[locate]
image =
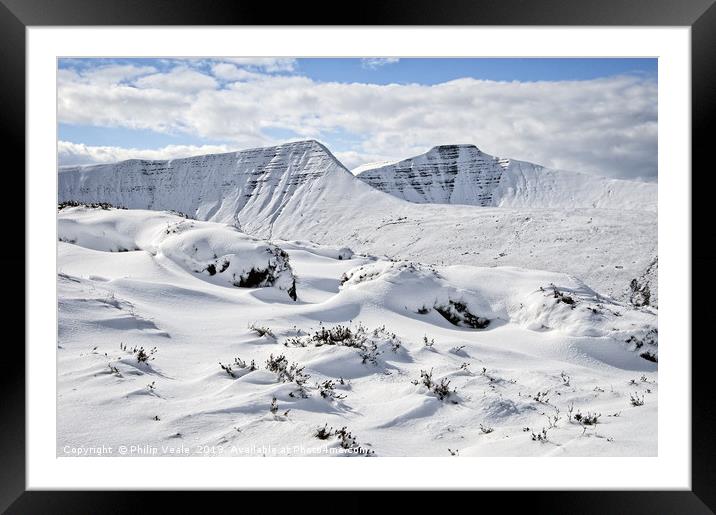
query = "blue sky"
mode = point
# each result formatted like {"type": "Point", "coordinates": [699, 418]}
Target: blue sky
{"type": "Point", "coordinates": [364, 109]}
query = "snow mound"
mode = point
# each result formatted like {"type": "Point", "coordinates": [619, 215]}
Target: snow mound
{"type": "Point", "coordinates": [419, 288]}
{"type": "Point", "coordinates": [230, 258]}
{"type": "Point", "coordinates": [216, 253]}
{"type": "Point", "coordinates": [481, 298]}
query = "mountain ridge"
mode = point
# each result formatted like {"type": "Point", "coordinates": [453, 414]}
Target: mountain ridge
{"type": "Point", "coordinates": [254, 185]}
{"type": "Point", "coordinates": [463, 174]}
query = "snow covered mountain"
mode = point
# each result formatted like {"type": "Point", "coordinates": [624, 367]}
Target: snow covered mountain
{"type": "Point", "coordinates": [463, 174]}
{"type": "Point", "coordinates": [250, 188]}
{"type": "Point", "coordinates": [299, 191]}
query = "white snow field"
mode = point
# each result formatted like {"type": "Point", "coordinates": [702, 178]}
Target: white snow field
{"type": "Point", "coordinates": [179, 336]}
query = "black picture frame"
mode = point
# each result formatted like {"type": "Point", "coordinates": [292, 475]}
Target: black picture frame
{"type": "Point", "coordinates": [700, 15]}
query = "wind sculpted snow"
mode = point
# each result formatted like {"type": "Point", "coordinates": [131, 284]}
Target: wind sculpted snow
{"type": "Point", "coordinates": [373, 357]}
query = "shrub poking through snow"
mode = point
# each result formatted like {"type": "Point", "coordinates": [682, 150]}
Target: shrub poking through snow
{"type": "Point", "coordinates": [541, 436]}
{"type": "Point", "coordinates": [590, 419]}
{"type": "Point", "coordinates": [345, 439]}
{"type": "Point", "coordinates": [426, 379]}
{"type": "Point", "coordinates": [327, 389]}
{"type": "Point", "coordinates": [541, 397]}
{"type": "Point", "coordinates": [456, 313]}
{"type": "Point", "coordinates": [286, 373]}
{"type": "Point", "coordinates": [428, 343]}
{"type": "Point", "coordinates": [94, 205]}
{"type": "Point", "coordinates": [114, 370]}
{"type": "Point", "coordinates": [647, 343]}
{"type": "Point", "coordinates": [273, 409]}
{"type": "Point", "coordinates": [179, 214]}
{"type": "Point", "coordinates": [636, 400]}
{"type": "Point", "coordinates": [289, 374]}
{"type": "Point", "coordinates": [441, 390]}
{"type": "Point", "coordinates": [261, 331]}
{"type": "Point", "coordinates": [227, 369]}
{"type": "Point", "coordinates": [459, 350]}
{"type": "Point", "coordinates": [238, 363]}
{"type": "Point", "coordinates": [143, 356]}
{"type": "Point", "coordinates": [649, 356]}
{"type": "Point", "coordinates": [554, 419]}
{"type": "Point", "coordinates": [486, 429]}
{"type": "Point", "coordinates": [322, 433]}
{"type": "Point", "coordinates": [366, 342]}
{"type": "Point", "coordinates": [350, 442]}
{"type": "Point", "coordinates": [563, 297]}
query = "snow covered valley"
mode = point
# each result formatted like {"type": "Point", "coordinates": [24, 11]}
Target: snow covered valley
{"type": "Point", "coordinates": [391, 336]}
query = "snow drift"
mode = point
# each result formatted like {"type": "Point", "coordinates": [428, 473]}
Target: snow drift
{"type": "Point", "coordinates": [157, 346]}
{"type": "Point", "coordinates": [216, 253]}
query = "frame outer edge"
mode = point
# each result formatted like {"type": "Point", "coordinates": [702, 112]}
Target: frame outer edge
{"type": "Point", "coordinates": [12, 303]}
{"type": "Point", "coordinates": [12, 96]}
{"type": "Point", "coordinates": [703, 122]}
{"type": "Point", "coordinates": [371, 12]}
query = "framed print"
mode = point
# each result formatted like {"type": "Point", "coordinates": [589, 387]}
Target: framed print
{"type": "Point", "coordinates": [430, 245]}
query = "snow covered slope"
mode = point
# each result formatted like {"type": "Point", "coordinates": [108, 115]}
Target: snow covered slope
{"type": "Point", "coordinates": [462, 174]}
{"type": "Point", "coordinates": [299, 191]}
{"type": "Point", "coordinates": [159, 354]}
{"type": "Point", "coordinates": [250, 188]}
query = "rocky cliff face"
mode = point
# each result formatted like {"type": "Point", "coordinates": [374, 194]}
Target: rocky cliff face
{"type": "Point", "coordinates": [449, 174]}
{"type": "Point", "coordinates": [463, 174]}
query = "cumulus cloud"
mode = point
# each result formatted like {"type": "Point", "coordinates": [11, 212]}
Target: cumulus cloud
{"type": "Point", "coordinates": [373, 63]}
{"type": "Point", "coordinates": [80, 154]}
{"type": "Point", "coordinates": [605, 126]}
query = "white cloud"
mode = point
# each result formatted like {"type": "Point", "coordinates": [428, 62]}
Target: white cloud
{"type": "Point", "coordinates": [109, 74]}
{"type": "Point", "coordinates": [231, 72]}
{"type": "Point", "coordinates": [267, 64]}
{"type": "Point", "coordinates": [606, 126]}
{"type": "Point", "coordinates": [79, 154]}
{"type": "Point", "coordinates": [373, 63]}
{"type": "Point", "coordinates": [180, 79]}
